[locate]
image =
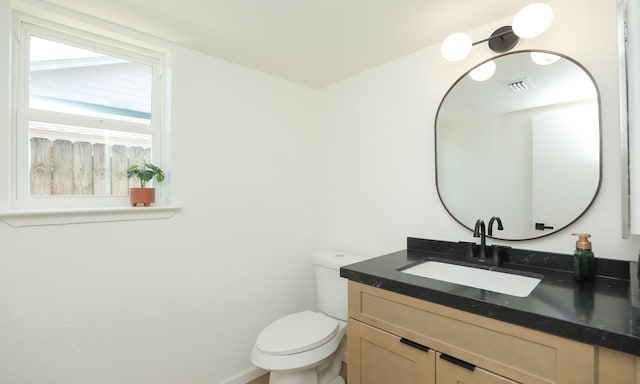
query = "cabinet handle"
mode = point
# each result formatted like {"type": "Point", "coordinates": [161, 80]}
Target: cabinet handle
{"type": "Point", "coordinates": [458, 362]}
{"type": "Point", "coordinates": [414, 344]}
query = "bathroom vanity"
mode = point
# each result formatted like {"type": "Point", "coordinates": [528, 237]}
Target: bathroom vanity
{"type": "Point", "coordinates": [405, 328]}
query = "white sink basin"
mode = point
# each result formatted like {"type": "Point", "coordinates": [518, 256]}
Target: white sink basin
{"type": "Point", "coordinates": [501, 282]}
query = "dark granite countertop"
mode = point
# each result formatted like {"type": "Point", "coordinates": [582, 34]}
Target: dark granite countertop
{"type": "Point", "coordinates": [605, 312]}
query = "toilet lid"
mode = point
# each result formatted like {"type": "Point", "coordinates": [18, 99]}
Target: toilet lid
{"type": "Point", "coordinates": [296, 333]}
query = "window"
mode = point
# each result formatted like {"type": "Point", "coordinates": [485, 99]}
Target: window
{"type": "Point", "coordinates": [86, 107]}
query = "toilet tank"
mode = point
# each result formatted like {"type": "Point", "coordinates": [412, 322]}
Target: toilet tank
{"type": "Point", "coordinates": [330, 287]}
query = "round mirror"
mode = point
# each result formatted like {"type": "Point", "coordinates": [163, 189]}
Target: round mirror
{"type": "Point", "coordinates": [522, 145]}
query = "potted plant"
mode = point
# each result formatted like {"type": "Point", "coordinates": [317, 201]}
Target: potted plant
{"type": "Point", "coordinates": [145, 174]}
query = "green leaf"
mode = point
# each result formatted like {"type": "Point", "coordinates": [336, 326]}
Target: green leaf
{"type": "Point", "coordinates": [145, 174]}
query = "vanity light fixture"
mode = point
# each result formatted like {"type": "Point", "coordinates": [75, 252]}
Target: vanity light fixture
{"type": "Point", "coordinates": [529, 22]}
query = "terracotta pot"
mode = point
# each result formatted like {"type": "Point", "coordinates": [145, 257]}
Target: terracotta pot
{"type": "Point", "coordinates": [144, 196]}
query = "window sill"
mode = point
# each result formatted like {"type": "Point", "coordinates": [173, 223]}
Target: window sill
{"type": "Point", "coordinates": [77, 216]}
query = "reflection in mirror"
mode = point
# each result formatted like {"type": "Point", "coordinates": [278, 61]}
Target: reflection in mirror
{"type": "Point", "coordinates": [523, 145]}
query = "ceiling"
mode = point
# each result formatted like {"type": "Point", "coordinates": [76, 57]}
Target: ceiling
{"type": "Point", "coordinates": [310, 42]}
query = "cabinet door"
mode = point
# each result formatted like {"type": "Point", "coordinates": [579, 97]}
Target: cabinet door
{"type": "Point", "coordinates": [378, 357]}
{"type": "Point", "coordinates": [453, 371]}
{"type": "Point", "coordinates": [617, 367]}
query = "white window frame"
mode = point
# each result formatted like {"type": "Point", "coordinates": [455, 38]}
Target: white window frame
{"type": "Point", "coordinates": [24, 209]}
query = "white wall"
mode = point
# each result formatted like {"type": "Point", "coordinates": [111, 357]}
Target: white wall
{"type": "Point", "coordinates": [378, 143]}
{"type": "Point", "coordinates": [88, 303]}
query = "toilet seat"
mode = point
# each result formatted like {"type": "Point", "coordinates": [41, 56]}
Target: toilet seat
{"type": "Point", "coordinates": [296, 333]}
{"type": "Point", "coordinates": [316, 352]}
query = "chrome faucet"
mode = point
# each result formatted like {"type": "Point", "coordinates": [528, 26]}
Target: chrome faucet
{"type": "Point", "coordinates": [480, 231]}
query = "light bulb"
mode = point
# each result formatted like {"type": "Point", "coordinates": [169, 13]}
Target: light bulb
{"type": "Point", "coordinates": [532, 20]}
{"type": "Point", "coordinates": [484, 71]}
{"type": "Point", "coordinates": [542, 58]}
{"type": "Point", "coordinates": [456, 46]}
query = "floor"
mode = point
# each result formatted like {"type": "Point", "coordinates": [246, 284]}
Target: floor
{"type": "Point", "coordinates": [260, 380]}
{"type": "Point", "coordinates": [265, 379]}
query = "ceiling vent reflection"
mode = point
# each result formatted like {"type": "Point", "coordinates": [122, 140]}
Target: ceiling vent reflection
{"type": "Point", "coordinates": [520, 85]}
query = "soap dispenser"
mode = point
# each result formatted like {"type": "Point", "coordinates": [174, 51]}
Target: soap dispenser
{"type": "Point", "coordinates": [583, 259]}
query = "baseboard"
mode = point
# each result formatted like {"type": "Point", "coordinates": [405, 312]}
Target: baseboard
{"type": "Point", "coordinates": [245, 377]}
{"type": "Point", "coordinates": [254, 373]}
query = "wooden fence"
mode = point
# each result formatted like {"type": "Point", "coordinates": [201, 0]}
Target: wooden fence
{"type": "Point", "coordinates": [62, 167]}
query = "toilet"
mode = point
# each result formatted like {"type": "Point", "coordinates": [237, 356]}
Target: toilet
{"type": "Point", "coordinates": [308, 347]}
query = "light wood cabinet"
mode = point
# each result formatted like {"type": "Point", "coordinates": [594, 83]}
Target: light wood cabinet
{"type": "Point", "coordinates": [617, 367]}
{"type": "Point", "coordinates": [378, 357]}
{"type": "Point", "coordinates": [501, 352]}
{"type": "Point", "coordinates": [448, 372]}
